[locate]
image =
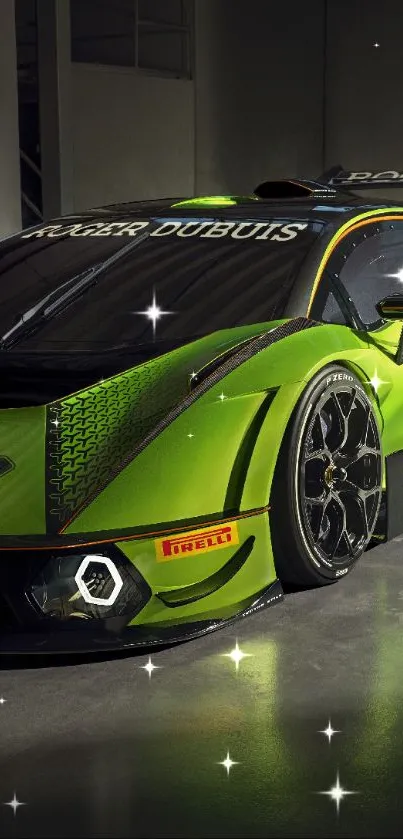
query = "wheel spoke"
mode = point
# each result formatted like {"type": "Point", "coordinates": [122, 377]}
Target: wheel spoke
{"type": "Point", "coordinates": [351, 403]}
{"type": "Point", "coordinates": [357, 492]}
{"type": "Point", "coordinates": [321, 454]}
{"type": "Point", "coordinates": [344, 536]}
{"type": "Point", "coordinates": [335, 515]}
{"type": "Point", "coordinates": [317, 521]}
{"type": "Point", "coordinates": [341, 536]}
{"type": "Point", "coordinates": [344, 532]}
{"type": "Point", "coordinates": [342, 417]}
{"type": "Point", "coordinates": [366, 427]}
{"type": "Point", "coordinates": [363, 509]}
{"type": "Point", "coordinates": [317, 441]}
{"type": "Point", "coordinates": [338, 502]}
{"type": "Point", "coordinates": [359, 453]}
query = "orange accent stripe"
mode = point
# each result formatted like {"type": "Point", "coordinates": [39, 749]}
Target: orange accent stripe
{"type": "Point", "coordinates": [337, 241]}
{"type": "Point", "coordinates": [148, 535]}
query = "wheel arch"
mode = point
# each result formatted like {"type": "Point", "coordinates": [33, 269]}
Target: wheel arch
{"type": "Point", "coordinates": [268, 444]}
{"type": "Point", "coordinates": [288, 458]}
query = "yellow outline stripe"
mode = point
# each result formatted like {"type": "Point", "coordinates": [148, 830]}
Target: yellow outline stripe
{"type": "Point", "coordinates": [352, 224]}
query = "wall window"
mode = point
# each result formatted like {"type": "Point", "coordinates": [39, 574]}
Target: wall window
{"type": "Point", "coordinates": [147, 34]}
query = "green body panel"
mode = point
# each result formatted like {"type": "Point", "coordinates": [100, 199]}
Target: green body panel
{"type": "Point", "coordinates": [218, 456]}
{"type": "Point", "coordinates": [93, 432]}
{"type": "Point", "coordinates": [389, 384]}
{"type": "Point", "coordinates": [257, 572]}
{"type": "Point", "coordinates": [216, 459]}
{"type": "Point", "coordinates": [210, 201]}
{"type": "Point", "coordinates": [177, 477]}
{"type": "Point", "coordinates": [98, 421]}
{"type": "Point", "coordinates": [22, 490]}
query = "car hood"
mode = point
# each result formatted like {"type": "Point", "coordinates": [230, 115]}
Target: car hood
{"type": "Point", "coordinates": [39, 378]}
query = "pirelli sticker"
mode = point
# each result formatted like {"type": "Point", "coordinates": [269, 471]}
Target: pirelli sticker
{"type": "Point", "coordinates": [197, 542]}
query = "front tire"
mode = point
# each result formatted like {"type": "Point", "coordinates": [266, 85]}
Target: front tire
{"type": "Point", "coordinates": [328, 483]}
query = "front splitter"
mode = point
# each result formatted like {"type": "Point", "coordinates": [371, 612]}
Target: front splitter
{"type": "Point", "coordinates": [88, 640]}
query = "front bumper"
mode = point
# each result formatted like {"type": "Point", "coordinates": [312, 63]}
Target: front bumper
{"type": "Point", "coordinates": [102, 639]}
{"type": "Point", "coordinates": [53, 606]}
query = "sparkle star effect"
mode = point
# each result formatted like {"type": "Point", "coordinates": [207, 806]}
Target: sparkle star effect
{"type": "Point", "coordinates": [397, 276]}
{"type": "Point", "coordinates": [154, 313]}
{"type": "Point", "coordinates": [337, 793]}
{"type": "Point", "coordinates": [222, 396]}
{"type": "Point", "coordinates": [228, 763]}
{"type": "Point", "coordinates": [376, 382]}
{"type": "Point", "coordinates": [2, 700]}
{"type": "Point", "coordinates": [236, 655]}
{"type": "Point", "coordinates": [55, 422]}
{"type": "Point", "coordinates": [14, 803]}
{"type": "Point", "coordinates": [190, 435]}
{"type": "Point", "coordinates": [329, 731]}
{"type": "Point", "coordinates": [149, 667]}
{"type": "Point", "coordinates": [376, 45]}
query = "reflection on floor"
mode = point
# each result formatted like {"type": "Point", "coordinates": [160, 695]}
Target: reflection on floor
{"type": "Point", "coordinates": [115, 748]}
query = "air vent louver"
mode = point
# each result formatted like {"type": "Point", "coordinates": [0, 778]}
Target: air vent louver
{"type": "Point", "coordinates": [292, 189]}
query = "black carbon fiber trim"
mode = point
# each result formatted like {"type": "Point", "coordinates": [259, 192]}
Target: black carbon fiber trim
{"type": "Point", "coordinates": [246, 352]}
{"type": "Point", "coordinates": [91, 640]}
{"type": "Point", "coordinates": [212, 366]}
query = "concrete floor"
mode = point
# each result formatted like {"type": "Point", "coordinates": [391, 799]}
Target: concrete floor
{"type": "Point", "coordinates": [100, 749]}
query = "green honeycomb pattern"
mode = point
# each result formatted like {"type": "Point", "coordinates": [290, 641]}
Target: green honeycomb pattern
{"type": "Point", "coordinates": [92, 433]}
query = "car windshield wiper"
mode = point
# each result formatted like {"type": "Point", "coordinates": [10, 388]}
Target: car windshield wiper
{"type": "Point", "coordinates": [54, 303]}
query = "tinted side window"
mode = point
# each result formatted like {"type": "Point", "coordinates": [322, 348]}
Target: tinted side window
{"type": "Point", "coordinates": [326, 306]}
{"type": "Point", "coordinates": [372, 267]}
{"type": "Point", "coordinates": [332, 312]}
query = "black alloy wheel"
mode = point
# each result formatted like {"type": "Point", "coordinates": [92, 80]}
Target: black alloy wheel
{"type": "Point", "coordinates": [328, 484]}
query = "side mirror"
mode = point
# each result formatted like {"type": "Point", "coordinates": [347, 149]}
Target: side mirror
{"type": "Point", "coordinates": [391, 308]}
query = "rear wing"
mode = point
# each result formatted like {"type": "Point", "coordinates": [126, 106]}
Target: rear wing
{"type": "Point", "coordinates": [339, 177]}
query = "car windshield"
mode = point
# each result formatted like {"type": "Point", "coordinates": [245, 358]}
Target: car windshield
{"type": "Point", "coordinates": [179, 279]}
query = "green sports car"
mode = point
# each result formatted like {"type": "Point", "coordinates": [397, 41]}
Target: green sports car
{"type": "Point", "coordinates": [201, 404]}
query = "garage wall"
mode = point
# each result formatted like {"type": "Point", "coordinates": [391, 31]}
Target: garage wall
{"type": "Point", "coordinates": [364, 114]}
{"type": "Point", "coordinates": [10, 207]}
{"type": "Point", "coordinates": [259, 92]}
{"type": "Point", "coordinates": [139, 136]}
{"type": "Point", "coordinates": [133, 135]}
{"type": "Point", "coordinates": [254, 109]}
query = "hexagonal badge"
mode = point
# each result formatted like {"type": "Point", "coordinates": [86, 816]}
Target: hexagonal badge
{"type": "Point", "coordinates": [82, 583]}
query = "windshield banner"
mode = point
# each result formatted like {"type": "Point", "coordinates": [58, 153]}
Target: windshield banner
{"type": "Point", "coordinates": [275, 231]}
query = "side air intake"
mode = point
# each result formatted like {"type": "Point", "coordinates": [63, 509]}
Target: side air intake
{"type": "Point", "coordinates": [291, 189]}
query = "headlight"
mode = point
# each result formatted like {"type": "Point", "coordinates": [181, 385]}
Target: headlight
{"type": "Point", "coordinates": [88, 586]}
{"type": "Point", "coordinates": [98, 580]}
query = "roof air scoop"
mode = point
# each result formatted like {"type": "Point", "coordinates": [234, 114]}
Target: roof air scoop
{"type": "Point", "coordinates": [291, 189]}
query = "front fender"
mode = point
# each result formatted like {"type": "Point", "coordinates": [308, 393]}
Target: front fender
{"type": "Point", "coordinates": [219, 455]}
